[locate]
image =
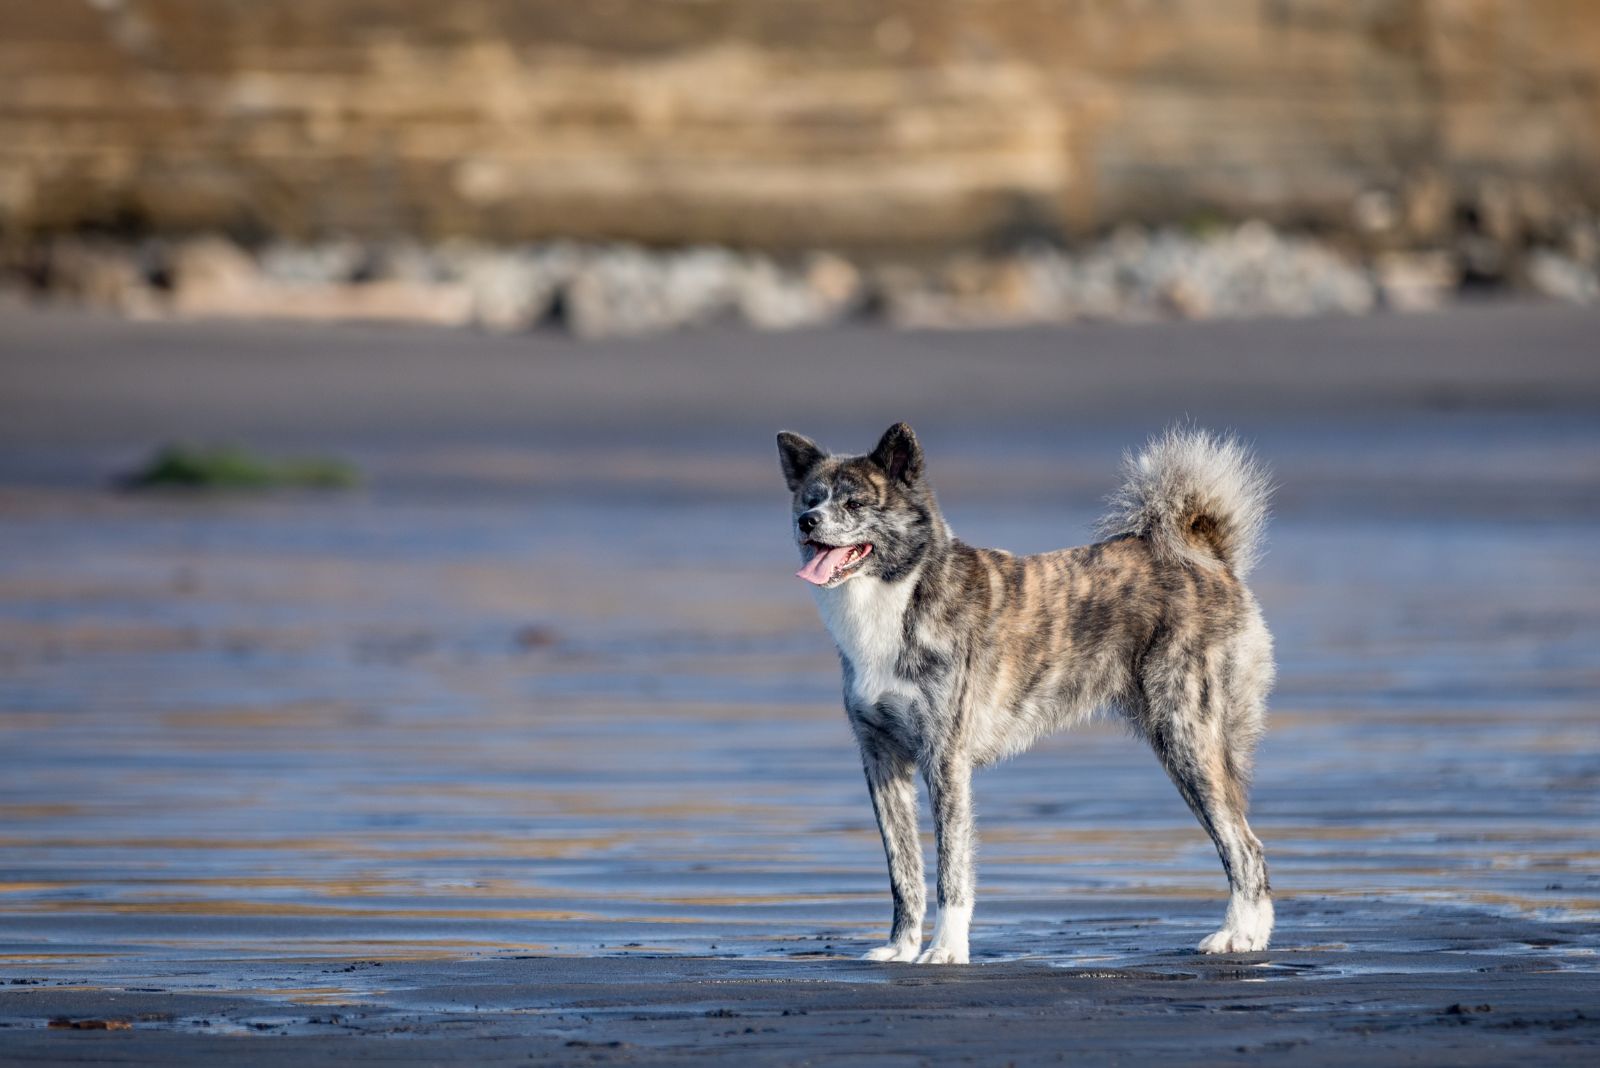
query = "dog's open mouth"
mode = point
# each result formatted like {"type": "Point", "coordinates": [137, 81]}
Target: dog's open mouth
{"type": "Point", "coordinates": [828, 562]}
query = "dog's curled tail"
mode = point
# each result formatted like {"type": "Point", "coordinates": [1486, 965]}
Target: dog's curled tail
{"type": "Point", "coordinates": [1197, 497]}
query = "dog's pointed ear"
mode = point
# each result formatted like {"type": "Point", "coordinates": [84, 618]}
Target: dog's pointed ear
{"type": "Point", "coordinates": [798, 455]}
{"type": "Point", "coordinates": [899, 454]}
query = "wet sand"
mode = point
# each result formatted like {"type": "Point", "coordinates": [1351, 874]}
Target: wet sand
{"type": "Point", "coordinates": [532, 745]}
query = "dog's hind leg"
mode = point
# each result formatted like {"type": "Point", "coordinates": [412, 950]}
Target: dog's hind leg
{"type": "Point", "coordinates": [891, 782]}
{"type": "Point", "coordinates": [1209, 763]}
{"type": "Point", "coordinates": [950, 792]}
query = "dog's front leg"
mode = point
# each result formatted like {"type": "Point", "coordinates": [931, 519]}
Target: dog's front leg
{"type": "Point", "coordinates": [891, 782]}
{"type": "Point", "coordinates": [950, 791]}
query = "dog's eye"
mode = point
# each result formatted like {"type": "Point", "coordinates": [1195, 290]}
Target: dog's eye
{"type": "Point", "coordinates": [853, 506]}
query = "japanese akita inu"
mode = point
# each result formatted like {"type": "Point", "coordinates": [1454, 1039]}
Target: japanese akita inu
{"type": "Point", "coordinates": [955, 657]}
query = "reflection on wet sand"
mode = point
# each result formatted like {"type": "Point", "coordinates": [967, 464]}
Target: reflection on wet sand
{"type": "Point", "coordinates": [530, 750]}
{"type": "Point", "coordinates": [239, 728]}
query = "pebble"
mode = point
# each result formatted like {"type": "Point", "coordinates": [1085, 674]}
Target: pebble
{"type": "Point", "coordinates": [1134, 274]}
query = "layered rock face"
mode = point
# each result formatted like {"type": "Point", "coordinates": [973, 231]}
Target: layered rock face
{"type": "Point", "coordinates": [789, 124]}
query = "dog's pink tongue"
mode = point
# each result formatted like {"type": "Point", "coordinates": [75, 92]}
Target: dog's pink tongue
{"type": "Point", "coordinates": [820, 567]}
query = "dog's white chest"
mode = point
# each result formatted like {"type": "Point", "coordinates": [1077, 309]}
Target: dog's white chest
{"type": "Point", "coordinates": [867, 620]}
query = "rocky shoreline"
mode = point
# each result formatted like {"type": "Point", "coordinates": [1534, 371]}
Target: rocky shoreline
{"type": "Point", "coordinates": [1212, 271]}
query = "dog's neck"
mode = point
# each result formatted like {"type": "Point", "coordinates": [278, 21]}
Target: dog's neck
{"type": "Point", "coordinates": [866, 615]}
{"type": "Point", "coordinates": [866, 619]}
{"type": "Point", "coordinates": [899, 560]}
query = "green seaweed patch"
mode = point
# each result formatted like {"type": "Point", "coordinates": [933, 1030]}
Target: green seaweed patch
{"type": "Point", "coordinates": [230, 467]}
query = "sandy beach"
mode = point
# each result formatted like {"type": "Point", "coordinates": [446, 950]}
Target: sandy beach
{"type": "Point", "coordinates": [530, 747]}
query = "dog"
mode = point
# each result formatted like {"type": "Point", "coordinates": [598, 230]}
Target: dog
{"type": "Point", "coordinates": [955, 657]}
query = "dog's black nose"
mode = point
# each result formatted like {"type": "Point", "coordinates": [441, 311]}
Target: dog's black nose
{"type": "Point", "coordinates": [808, 522]}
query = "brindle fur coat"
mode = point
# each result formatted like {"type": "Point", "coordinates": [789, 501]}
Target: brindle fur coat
{"type": "Point", "coordinates": [955, 657]}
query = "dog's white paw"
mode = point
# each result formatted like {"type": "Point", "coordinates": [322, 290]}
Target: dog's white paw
{"type": "Point", "coordinates": [894, 951]}
{"type": "Point", "coordinates": [1228, 940]}
{"type": "Point", "coordinates": [1247, 928]}
{"type": "Point", "coordinates": [937, 954]}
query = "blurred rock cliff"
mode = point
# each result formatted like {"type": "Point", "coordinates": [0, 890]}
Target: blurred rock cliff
{"type": "Point", "coordinates": [789, 124]}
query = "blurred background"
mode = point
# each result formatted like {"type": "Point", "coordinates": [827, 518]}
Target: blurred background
{"type": "Point", "coordinates": [511, 163]}
{"type": "Point", "coordinates": [393, 556]}
{"type": "Point", "coordinates": [776, 123]}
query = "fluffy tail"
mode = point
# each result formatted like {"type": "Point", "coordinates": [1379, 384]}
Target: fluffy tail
{"type": "Point", "coordinates": [1198, 497]}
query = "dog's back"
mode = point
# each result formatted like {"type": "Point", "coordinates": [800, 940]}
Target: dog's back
{"type": "Point", "coordinates": [1153, 617]}
{"type": "Point", "coordinates": [1047, 640]}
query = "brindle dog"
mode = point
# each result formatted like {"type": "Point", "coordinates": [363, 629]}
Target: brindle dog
{"type": "Point", "coordinates": [955, 657]}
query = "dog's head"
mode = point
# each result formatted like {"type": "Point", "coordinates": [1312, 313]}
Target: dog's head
{"type": "Point", "coordinates": [858, 516]}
